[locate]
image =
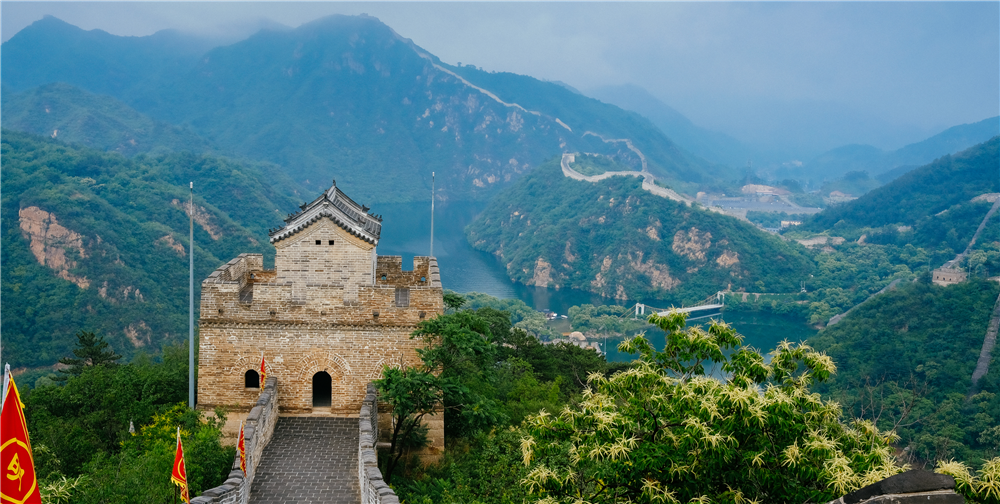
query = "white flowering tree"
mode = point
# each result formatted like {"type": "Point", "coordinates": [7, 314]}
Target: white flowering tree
{"type": "Point", "coordinates": [663, 431]}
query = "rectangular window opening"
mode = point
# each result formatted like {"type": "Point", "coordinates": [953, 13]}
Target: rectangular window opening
{"type": "Point", "coordinates": [402, 297]}
{"type": "Point", "coordinates": [330, 242]}
{"type": "Point", "coordinates": [319, 242]}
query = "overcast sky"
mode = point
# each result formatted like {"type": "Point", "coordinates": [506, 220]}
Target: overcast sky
{"type": "Point", "coordinates": [881, 73]}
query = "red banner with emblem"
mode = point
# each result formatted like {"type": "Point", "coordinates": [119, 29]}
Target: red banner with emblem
{"type": "Point", "coordinates": [263, 371]}
{"type": "Point", "coordinates": [242, 447]}
{"type": "Point", "coordinates": [179, 474]}
{"type": "Point", "coordinates": [18, 485]}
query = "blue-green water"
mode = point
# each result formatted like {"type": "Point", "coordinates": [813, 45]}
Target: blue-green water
{"type": "Point", "coordinates": [406, 232]}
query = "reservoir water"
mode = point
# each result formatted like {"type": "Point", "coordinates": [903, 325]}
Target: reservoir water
{"type": "Point", "coordinates": [406, 232]}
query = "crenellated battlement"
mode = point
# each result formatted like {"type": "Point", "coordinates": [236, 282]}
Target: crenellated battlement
{"type": "Point", "coordinates": [331, 310]}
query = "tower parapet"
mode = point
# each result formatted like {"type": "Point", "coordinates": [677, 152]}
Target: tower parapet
{"type": "Point", "coordinates": [328, 317]}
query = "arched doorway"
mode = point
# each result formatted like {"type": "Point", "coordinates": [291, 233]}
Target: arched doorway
{"type": "Point", "coordinates": [322, 390]}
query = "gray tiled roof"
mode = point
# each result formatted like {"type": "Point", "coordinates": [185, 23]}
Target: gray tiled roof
{"type": "Point", "coordinates": [333, 204]}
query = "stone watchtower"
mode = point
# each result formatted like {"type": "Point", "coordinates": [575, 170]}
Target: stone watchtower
{"type": "Point", "coordinates": [328, 318]}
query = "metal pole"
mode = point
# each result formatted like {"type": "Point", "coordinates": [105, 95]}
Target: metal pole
{"type": "Point", "coordinates": [432, 214]}
{"type": "Point", "coordinates": [191, 300]}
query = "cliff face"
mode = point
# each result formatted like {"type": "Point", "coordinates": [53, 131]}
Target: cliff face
{"type": "Point", "coordinates": [50, 241]}
{"type": "Point", "coordinates": [612, 238]}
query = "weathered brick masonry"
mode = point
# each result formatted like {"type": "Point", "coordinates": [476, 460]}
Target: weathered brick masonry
{"type": "Point", "coordinates": [330, 305]}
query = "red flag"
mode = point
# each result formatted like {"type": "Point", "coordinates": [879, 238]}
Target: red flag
{"type": "Point", "coordinates": [263, 370]}
{"type": "Point", "coordinates": [18, 485]}
{"type": "Point", "coordinates": [242, 447]}
{"type": "Point", "coordinates": [179, 474]}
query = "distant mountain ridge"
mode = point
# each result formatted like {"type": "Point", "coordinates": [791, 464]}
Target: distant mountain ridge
{"type": "Point", "coordinates": [875, 161]}
{"type": "Point", "coordinates": [931, 204]}
{"type": "Point", "coordinates": [345, 96]}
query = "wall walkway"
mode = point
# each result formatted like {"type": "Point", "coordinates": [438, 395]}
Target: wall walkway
{"type": "Point", "coordinates": [311, 460]}
{"type": "Point", "coordinates": [257, 433]}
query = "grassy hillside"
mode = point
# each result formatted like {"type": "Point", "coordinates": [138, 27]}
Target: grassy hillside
{"type": "Point", "coordinates": [929, 207]}
{"type": "Point", "coordinates": [101, 122]}
{"type": "Point", "coordinates": [96, 241]}
{"type": "Point", "coordinates": [617, 240]}
{"type": "Point", "coordinates": [905, 359]}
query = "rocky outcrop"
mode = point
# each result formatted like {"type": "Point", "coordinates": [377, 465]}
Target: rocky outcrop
{"type": "Point", "coordinates": [201, 216]}
{"type": "Point", "coordinates": [692, 243]}
{"type": "Point", "coordinates": [50, 241]}
{"type": "Point", "coordinates": [543, 273]}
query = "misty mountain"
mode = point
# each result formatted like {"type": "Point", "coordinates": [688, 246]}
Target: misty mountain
{"type": "Point", "coordinates": [711, 145]}
{"type": "Point", "coordinates": [97, 121]}
{"type": "Point", "coordinates": [876, 162]}
{"type": "Point", "coordinates": [934, 204]}
{"type": "Point", "coordinates": [347, 97]}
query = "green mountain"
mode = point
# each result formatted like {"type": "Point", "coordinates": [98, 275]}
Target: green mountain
{"type": "Point", "coordinates": [618, 240]}
{"type": "Point", "coordinates": [101, 122]}
{"type": "Point", "coordinates": [905, 360]}
{"type": "Point", "coordinates": [97, 241]}
{"type": "Point", "coordinates": [876, 162]}
{"type": "Point", "coordinates": [930, 206]}
{"type": "Point", "coordinates": [348, 94]}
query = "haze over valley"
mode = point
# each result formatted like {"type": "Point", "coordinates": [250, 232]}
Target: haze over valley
{"type": "Point", "coordinates": [819, 173]}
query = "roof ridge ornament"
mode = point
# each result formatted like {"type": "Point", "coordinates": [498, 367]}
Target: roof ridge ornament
{"type": "Point", "coordinates": [340, 209]}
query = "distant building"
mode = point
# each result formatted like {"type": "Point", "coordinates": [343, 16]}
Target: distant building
{"type": "Point", "coordinates": [763, 190]}
{"type": "Point", "coordinates": [949, 276]}
{"type": "Point", "coordinates": [789, 223]}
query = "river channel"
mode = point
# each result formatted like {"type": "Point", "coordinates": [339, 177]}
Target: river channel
{"type": "Point", "coordinates": [406, 232]}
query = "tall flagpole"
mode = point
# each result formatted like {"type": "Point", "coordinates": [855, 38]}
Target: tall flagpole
{"type": "Point", "coordinates": [191, 301]}
{"type": "Point", "coordinates": [432, 214]}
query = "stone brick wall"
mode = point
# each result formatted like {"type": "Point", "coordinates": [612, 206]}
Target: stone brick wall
{"type": "Point", "coordinates": [257, 433]}
{"type": "Point", "coordinates": [308, 259]}
{"type": "Point", "coordinates": [246, 310]}
{"type": "Point", "coordinates": [373, 487]}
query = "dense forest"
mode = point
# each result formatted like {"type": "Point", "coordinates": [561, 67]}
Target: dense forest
{"type": "Point", "coordinates": [615, 239]}
{"type": "Point", "coordinates": [905, 361]}
{"type": "Point", "coordinates": [79, 425]}
{"type": "Point", "coordinates": [523, 428]}
{"type": "Point", "coordinates": [928, 206]}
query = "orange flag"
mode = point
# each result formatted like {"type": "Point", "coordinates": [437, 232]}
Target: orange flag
{"type": "Point", "coordinates": [263, 371]}
{"type": "Point", "coordinates": [18, 485]}
{"type": "Point", "coordinates": [179, 474]}
{"type": "Point", "coordinates": [242, 447]}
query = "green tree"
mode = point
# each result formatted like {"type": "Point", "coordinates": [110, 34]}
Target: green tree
{"type": "Point", "coordinates": [663, 431]}
{"type": "Point", "coordinates": [412, 394]}
{"type": "Point", "coordinates": [91, 350]}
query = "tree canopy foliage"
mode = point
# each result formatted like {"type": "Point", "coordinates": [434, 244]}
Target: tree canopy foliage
{"type": "Point", "coordinates": [80, 432]}
{"type": "Point", "coordinates": [662, 431]}
{"type": "Point", "coordinates": [906, 360]}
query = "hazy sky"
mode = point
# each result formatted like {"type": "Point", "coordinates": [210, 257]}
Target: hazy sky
{"type": "Point", "coordinates": [881, 73]}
